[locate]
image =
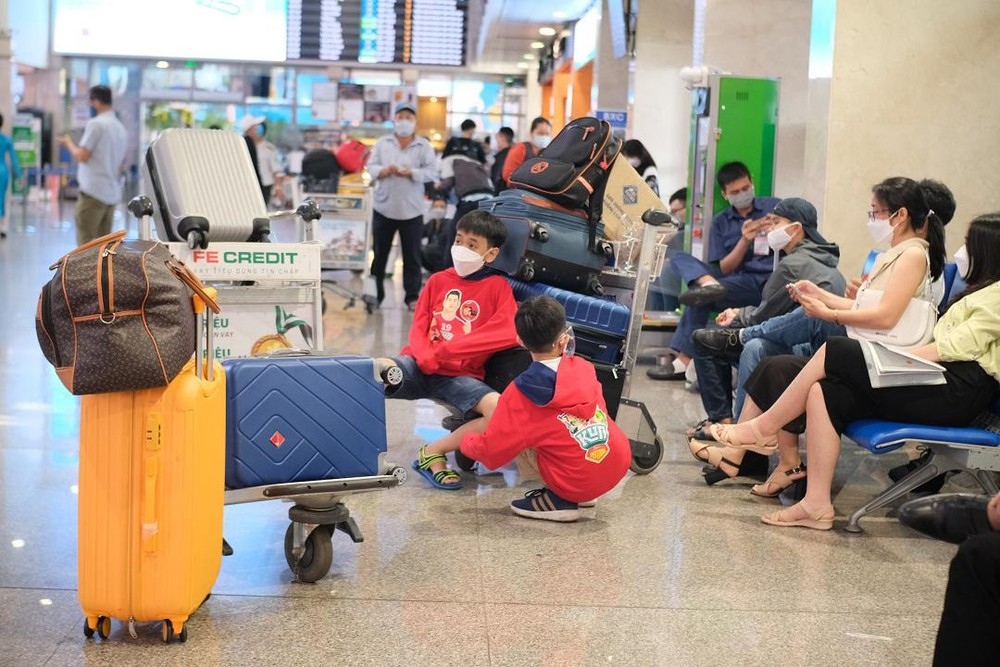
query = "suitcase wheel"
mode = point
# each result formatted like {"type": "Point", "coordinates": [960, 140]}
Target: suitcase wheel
{"type": "Point", "coordinates": [169, 635]}
{"type": "Point", "coordinates": [643, 464]}
{"type": "Point", "coordinates": [101, 625]}
{"type": "Point", "coordinates": [316, 558]}
{"type": "Point", "coordinates": [197, 239]}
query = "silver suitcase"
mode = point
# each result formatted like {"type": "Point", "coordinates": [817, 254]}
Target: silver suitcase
{"type": "Point", "coordinates": [204, 188]}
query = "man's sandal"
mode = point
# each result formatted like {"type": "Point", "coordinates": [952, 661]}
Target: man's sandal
{"type": "Point", "coordinates": [446, 479]}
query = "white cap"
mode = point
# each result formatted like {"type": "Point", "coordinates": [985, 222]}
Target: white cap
{"type": "Point", "coordinates": [249, 121]}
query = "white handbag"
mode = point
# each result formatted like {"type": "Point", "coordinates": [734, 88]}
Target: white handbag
{"type": "Point", "coordinates": [914, 328]}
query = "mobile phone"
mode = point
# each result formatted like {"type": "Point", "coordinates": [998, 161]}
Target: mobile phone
{"type": "Point", "coordinates": [791, 287]}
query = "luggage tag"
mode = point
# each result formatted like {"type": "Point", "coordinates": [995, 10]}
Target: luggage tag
{"type": "Point", "coordinates": [760, 246]}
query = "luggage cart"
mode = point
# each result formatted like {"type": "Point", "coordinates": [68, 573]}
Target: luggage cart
{"type": "Point", "coordinates": [345, 232]}
{"type": "Point", "coordinates": [633, 417]}
{"type": "Point", "coordinates": [318, 508]}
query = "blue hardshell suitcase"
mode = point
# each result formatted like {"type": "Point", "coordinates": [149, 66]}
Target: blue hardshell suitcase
{"type": "Point", "coordinates": [547, 243]}
{"type": "Point", "coordinates": [304, 418]}
{"type": "Point", "coordinates": [599, 325]}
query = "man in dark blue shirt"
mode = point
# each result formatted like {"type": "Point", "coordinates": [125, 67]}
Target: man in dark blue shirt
{"type": "Point", "coordinates": [740, 262]}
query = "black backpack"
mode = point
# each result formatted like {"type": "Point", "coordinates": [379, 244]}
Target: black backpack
{"type": "Point", "coordinates": [320, 171]}
{"type": "Point", "coordinates": [471, 178]}
{"type": "Point", "coordinates": [573, 170]}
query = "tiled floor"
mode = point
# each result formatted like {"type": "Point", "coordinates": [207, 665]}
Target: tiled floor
{"type": "Point", "coordinates": [666, 572]}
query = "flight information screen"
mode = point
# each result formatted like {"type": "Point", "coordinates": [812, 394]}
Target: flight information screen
{"type": "Point", "coordinates": [419, 32]}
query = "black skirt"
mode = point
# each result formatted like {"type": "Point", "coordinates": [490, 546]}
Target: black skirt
{"type": "Point", "coordinates": [849, 395]}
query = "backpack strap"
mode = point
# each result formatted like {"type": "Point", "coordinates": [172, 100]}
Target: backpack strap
{"type": "Point", "coordinates": [529, 150]}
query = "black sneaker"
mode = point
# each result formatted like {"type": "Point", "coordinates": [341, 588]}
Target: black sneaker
{"type": "Point", "coordinates": [718, 342]}
{"type": "Point", "coordinates": [933, 486]}
{"type": "Point", "coordinates": [545, 505]}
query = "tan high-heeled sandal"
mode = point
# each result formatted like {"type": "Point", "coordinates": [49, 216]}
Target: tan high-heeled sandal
{"type": "Point", "coordinates": [726, 434]}
{"type": "Point", "coordinates": [713, 455]}
{"type": "Point", "coordinates": [821, 521]}
{"type": "Point", "coordinates": [772, 488]}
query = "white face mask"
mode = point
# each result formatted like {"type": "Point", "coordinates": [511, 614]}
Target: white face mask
{"type": "Point", "coordinates": [881, 230]}
{"type": "Point", "coordinates": [962, 261]}
{"type": "Point", "coordinates": [570, 348]}
{"type": "Point", "coordinates": [404, 128]}
{"type": "Point", "coordinates": [541, 140]}
{"type": "Point", "coordinates": [742, 199]}
{"type": "Point", "coordinates": [466, 261]}
{"type": "Point", "coordinates": [635, 162]}
{"type": "Point", "coordinates": [779, 238]}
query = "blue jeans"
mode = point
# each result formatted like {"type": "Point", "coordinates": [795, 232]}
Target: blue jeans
{"type": "Point", "coordinates": [742, 289]}
{"type": "Point", "coordinates": [791, 333]}
{"type": "Point", "coordinates": [462, 392]}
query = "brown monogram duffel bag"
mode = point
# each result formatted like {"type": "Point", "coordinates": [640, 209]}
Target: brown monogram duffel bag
{"type": "Point", "coordinates": [117, 316]}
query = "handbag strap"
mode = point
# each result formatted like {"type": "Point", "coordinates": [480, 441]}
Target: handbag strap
{"type": "Point", "coordinates": [188, 277]}
{"type": "Point", "coordinates": [927, 280]}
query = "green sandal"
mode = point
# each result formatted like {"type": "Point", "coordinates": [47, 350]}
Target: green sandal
{"type": "Point", "coordinates": [440, 479]}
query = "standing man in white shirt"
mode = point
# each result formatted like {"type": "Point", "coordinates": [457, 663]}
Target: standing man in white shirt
{"type": "Point", "coordinates": [401, 163]}
{"type": "Point", "coordinates": [100, 153]}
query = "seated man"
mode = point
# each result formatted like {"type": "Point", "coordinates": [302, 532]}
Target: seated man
{"type": "Point", "coordinates": [463, 316]}
{"type": "Point", "coordinates": [553, 420]}
{"type": "Point", "coordinates": [971, 612]}
{"type": "Point", "coordinates": [803, 255]}
{"type": "Point", "coordinates": [741, 262]}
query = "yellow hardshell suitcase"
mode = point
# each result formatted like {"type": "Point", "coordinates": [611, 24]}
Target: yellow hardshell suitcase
{"type": "Point", "coordinates": [152, 469]}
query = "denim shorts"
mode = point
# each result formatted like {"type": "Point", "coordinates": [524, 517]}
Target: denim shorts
{"type": "Point", "coordinates": [463, 392]}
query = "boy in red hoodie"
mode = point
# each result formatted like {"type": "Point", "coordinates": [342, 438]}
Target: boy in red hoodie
{"type": "Point", "coordinates": [464, 315]}
{"type": "Point", "coordinates": [552, 418]}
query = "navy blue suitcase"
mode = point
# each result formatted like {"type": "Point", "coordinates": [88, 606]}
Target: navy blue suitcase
{"type": "Point", "coordinates": [547, 243]}
{"type": "Point", "coordinates": [599, 325]}
{"type": "Point", "coordinates": [298, 419]}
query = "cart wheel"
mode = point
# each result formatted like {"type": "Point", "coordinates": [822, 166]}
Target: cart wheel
{"type": "Point", "coordinates": [103, 627]}
{"type": "Point", "coordinates": [88, 631]}
{"type": "Point", "coordinates": [317, 557]}
{"type": "Point", "coordinates": [643, 465]}
{"type": "Point", "coordinates": [168, 631]}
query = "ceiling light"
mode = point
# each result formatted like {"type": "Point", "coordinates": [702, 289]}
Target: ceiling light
{"type": "Point", "coordinates": [558, 14]}
{"type": "Point", "coordinates": [75, 490]}
{"type": "Point", "coordinates": [546, 31]}
{"type": "Point", "coordinates": [523, 65]}
{"type": "Point", "coordinates": [45, 602]}
{"type": "Point", "coordinates": [17, 544]}
{"type": "Point", "coordinates": [537, 45]}
{"type": "Point", "coordinates": [434, 100]}
{"type": "Point", "coordinates": [162, 64]}
{"type": "Point", "coordinates": [528, 56]}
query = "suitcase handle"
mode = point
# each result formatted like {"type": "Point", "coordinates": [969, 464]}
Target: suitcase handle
{"type": "Point", "coordinates": [187, 276]}
{"type": "Point", "coordinates": [150, 475]}
{"type": "Point", "coordinates": [204, 321]}
{"type": "Point", "coordinates": [150, 525]}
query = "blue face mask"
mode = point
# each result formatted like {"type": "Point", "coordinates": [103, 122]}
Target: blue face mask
{"type": "Point", "coordinates": [93, 111]}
